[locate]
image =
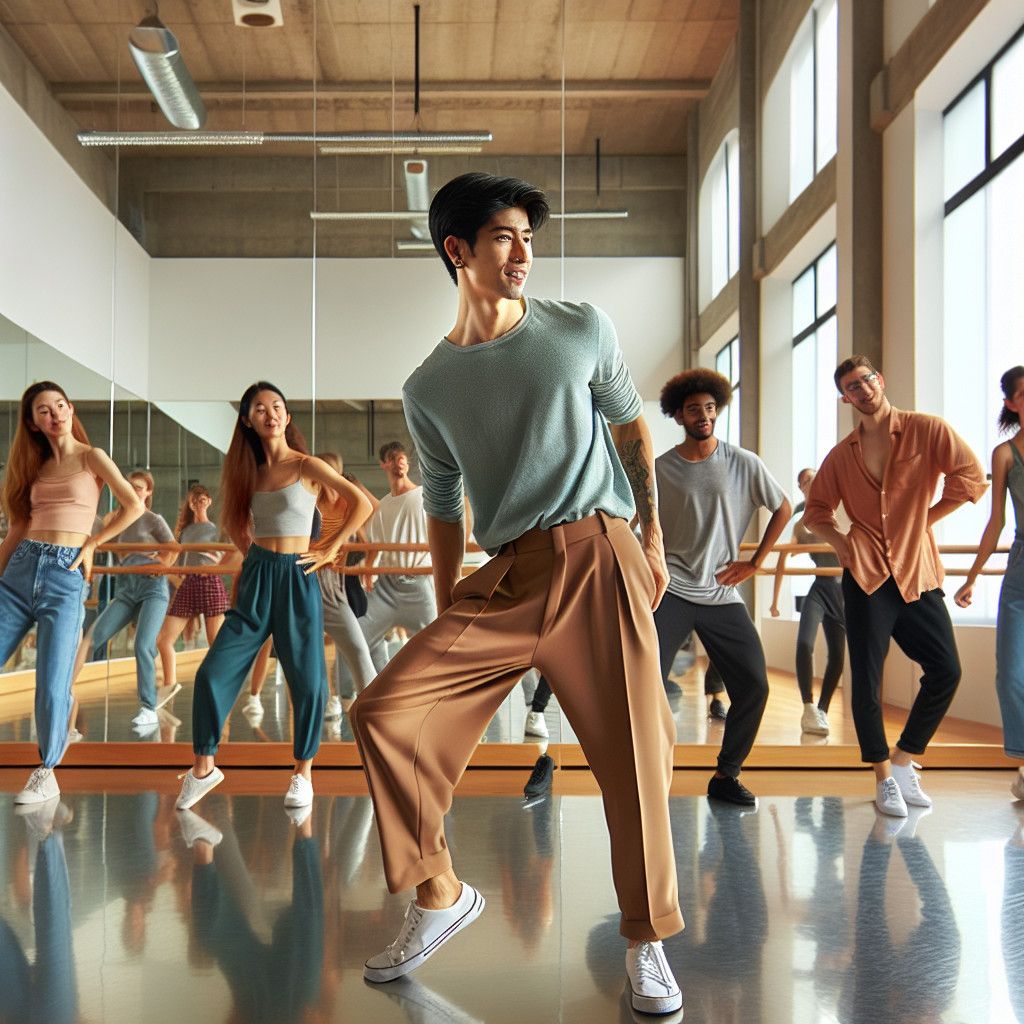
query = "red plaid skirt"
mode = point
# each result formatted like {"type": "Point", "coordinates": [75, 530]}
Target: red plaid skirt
{"type": "Point", "coordinates": [200, 595]}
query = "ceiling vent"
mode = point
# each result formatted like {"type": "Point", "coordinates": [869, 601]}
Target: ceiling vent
{"type": "Point", "coordinates": [257, 13]}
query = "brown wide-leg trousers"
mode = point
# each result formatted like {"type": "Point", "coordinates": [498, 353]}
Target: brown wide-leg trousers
{"type": "Point", "coordinates": [575, 602]}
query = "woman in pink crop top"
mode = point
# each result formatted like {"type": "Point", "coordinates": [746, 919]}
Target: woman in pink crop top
{"type": "Point", "coordinates": [51, 491]}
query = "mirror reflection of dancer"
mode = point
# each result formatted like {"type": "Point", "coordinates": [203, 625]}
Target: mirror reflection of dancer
{"type": "Point", "coordinates": [885, 472]}
{"type": "Point", "coordinates": [51, 490]}
{"type": "Point", "coordinates": [709, 491]}
{"type": "Point", "coordinates": [270, 488]}
{"type": "Point", "coordinates": [198, 594]}
{"type": "Point", "coordinates": [141, 599]}
{"type": "Point", "coordinates": [515, 402]}
{"type": "Point", "coordinates": [821, 607]}
{"type": "Point", "coordinates": [1007, 477]}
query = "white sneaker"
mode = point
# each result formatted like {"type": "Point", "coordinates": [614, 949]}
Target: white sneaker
{"type": "Point", "coordinates": [252, 708]}
{"type": "Point", "coordinates": [813, 721]}
{"type": "Point", "coordinates": [889, 799]}
{"type": "Point", "coordinates": [1017, 786]}
{"type": "Point", "coordinates": [653, 987]}
{"type": "Point", "coordinates": [165, 693]}
{"type": "Point", "coordinates": [423, 933]}
{"type": "Point", "coordinates": [145, 718]}
{"type": "Point", "coordinates": [195, 829]}
{"type": "Point", "coordinates": [298, 815]}
{"type": "Point", "coordinates": [193, 790]}
{"type": "Point", "coordinates": [535, 724]}
{"type": "Point", "coordinates": [74, 736]}
{"type": "Point", "coordinates": [910, 786]}
{"type": "Point", "coordinates": [300, 792]}
{"type": "Point", "coordinates": [41, 819]}
{"type": "Point", "coordinates": [333, 709]}
{"type": "Point", "coordinates": [41, 786]}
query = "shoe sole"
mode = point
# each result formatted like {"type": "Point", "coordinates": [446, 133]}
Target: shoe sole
{"type": "Point", "coordinates": [175, 690]}
{"type": "Point", "coordinates": [892, 812]}
{"type": "Point", "coordinates": [332, 717]}
{"type": "Point", "coordinates": [379, 975]}
{"type": "Point", "coordinates": [540, 735]}
{"type": "Point", "coordinates": [298, 803]}
{"type": "Point", "coordinates": [656, 1006]}
{"type": "Point", "coordinates": [178, 806]}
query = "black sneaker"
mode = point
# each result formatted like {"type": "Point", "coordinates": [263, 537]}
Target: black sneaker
{"type": "Point", "coordinates": [540, 777]}
{"type": "Point", "coordinates": [731, 790]}
{"type": "Point", "coordinates": [717, 710]}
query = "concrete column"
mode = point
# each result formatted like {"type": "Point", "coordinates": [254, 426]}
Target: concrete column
{"type": "Point", "coordinates": [691, 314]}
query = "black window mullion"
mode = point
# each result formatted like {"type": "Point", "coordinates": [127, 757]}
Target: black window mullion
{"type": "Point", "coordinates": [993, 170]}
{"type": "Point", "coordinates": [815, 327]}
{"type": "Point", "coordinates": [814, 89]}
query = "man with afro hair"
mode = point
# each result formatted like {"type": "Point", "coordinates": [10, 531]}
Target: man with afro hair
{"type": "Point", "coordinates": [708, 492]}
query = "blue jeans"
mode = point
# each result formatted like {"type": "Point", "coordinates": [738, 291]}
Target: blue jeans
{"type": "Point", "coordinates": [36, 587]}
{"type": "Point", "coordinates": [1010, 651]}
{"type": "Point", "coordinates": [143, 599]}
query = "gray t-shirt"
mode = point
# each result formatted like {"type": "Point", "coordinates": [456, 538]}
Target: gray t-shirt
{"type": "Point", "coordinates": [199, 533]}
{"type": "Point", "coordinates": [705, 508]}
{"type": "Point", "coordinates": [148, 528]}
{"type": "Point", "coordinates": [523, 422]}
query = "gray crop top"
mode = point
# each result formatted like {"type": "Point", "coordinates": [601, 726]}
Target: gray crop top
{"type": "Point", "coordinates": [199, 533]}
{"type": "Point", "coordinates": [148, 528]}
{"type": "Point", "coordinates": [286, 512]}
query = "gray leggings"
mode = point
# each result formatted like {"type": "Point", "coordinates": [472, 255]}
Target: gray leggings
{"type": "Point", "coordinates": [823, 606]}
{"type": "Point", "coordinates": [342, 626]}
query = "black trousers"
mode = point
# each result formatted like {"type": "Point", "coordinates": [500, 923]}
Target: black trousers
{"type": "Point", "coordinates": [823, 606]}
{"type": "Point", "coordinates": [924, 633]}
{"type": "Point", "coordinates": [734, 648]}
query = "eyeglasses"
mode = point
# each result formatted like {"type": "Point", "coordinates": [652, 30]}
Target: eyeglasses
{"type": "Point", "coordinates": [864, 383]}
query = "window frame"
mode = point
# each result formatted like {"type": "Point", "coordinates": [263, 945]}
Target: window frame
{"type": "Point", "coordinates": [820, 319]}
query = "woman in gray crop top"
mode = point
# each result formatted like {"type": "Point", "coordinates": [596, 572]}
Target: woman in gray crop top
{"type": "Point", "coordinates": [270, 486]}
{"type": "Point", "coordinates": [142, 599]}
{"type": "Point", "coordinates": [198, 594]}
{"type": "Point", "coordinates": [1007, 478]}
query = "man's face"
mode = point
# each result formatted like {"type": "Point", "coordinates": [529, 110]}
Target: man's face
{"type": "Point", "coordinates": [805, 481]}
{"type": "Point", "coordinates": [864, 389]}
{"type": "Point", "coordinates": [396, 463]}
{"type": "Point", "coordinates": [500, 260]}
{"type": "Point", "coordinates": [697, 416]}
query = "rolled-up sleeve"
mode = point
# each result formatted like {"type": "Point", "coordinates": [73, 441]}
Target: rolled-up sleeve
{"type": "Point", "coordinates": [614, 392]}
{"type": "Point", "coordinates": [964, 474]}
{"type": "Point", "coordinates": [442, 479]}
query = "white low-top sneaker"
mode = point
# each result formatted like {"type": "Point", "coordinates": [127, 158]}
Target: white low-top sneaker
{"type": "Point", "coordinates": [653, 987]}
{"type": "Point", "coordinates": [910, 786]}
{"type": "Point", "coordinates": [535, 724]}
{"type": "Point", "coordinates": [423, 933]}
{"type": "Point", "coordinates": [811, 721]}
{"type": "Point", "coordinates": [252, 705]}
{"type": "Point", "coordinates": [889, 799]}
{"type": "Point", "coordinates": [146, 718]}
{"type": "Point", "coordinates": [193, 790]}
{"type": "Point", "coordinates": [333, 709]}
{"type": "Point", "coordinates": [1017, 786]}
{"type": "Point", "coordinates": [300, 792]}
{"type": "Point", "coordinates": [195, 829]}
{"type": "Point", "coordinates": [41, 786]}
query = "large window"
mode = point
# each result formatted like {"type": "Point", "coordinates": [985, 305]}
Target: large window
{"type": "Point", "coordinates": [814, 361]}
{"type": "Point", "coordinates": [813, 94]}
{"type": "Point", "coordinates": [720, 219]}
{"type": "Point", "coordinates": [727, 363]}
{"type": "Point", "coordinates": [983, 274]}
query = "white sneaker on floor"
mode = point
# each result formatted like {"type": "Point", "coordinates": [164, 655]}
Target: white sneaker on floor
{"type": "Point", "coordinates": [813, 721]}
{"type": "Point", "coordinates": [195, 829]}
{"type": "Point", "coordinates": [193, 790]}
{"type": "Point", "coordinates": [423, 933]}
{"type": "Point", "coordinates": [40, 787]}
{"type": "Point", "coordinates": [300, 792]}
{"type": "Point", "coordinates": [535, 724]}
{"type": "Point", "coordinates": [910, 786]}
{"type": "Point", "coordinates": [41, 819]}
{"type": "Point", "coordinates": [889, 799]}
{"type": "Point", "coordinates": [1017, 786]}
{"type": "Point", "coordinates": [653, 987]}
{"type": "Point", "coordinates": [333, 709]}
{"type": "Point", "coordinates": [252, 708]}
{"type": "Point", "coordinates": [165, 693]}
{"type": "Point", "coordinates": [145, 718]}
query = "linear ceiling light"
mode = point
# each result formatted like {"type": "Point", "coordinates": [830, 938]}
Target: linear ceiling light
{"type": "Point", "coordinates": [414, 245]}
{"type": "Point", "coordinates": [352, 215]}
{"type": "Point", "coordinates": [398, 150]}
{"type": "Point", "coordinates": [591, 215]}
{"type": "Point", "coordinates": [266, 138]}
{"type": "Point", "coordinates": [158, 58]}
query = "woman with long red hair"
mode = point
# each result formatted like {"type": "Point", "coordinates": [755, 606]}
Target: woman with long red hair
{"type": "Point", "coordinates": [270, 487]}
{"type": "Point", "coordinates": [51, 492]}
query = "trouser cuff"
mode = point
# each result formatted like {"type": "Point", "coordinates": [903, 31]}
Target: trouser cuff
{"type": "Point", "coordinates": [419, 871]}
{"type": "Point", "coordinates": [911, 748]}
{"type": "Point", "coordinates": [653, 929]}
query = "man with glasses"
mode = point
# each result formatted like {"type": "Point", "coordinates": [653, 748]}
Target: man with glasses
{"type": "Point", "coordinates": [885, 473]}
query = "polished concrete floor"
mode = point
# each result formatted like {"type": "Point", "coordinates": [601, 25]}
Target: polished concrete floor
{"type": "Point", "coordinates": [812, 909]}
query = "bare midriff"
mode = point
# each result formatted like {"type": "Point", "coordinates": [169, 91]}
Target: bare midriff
{"type": "Point", "coordinates": [284, 545]}
{"type": "Point", "coordinates": [62, 538]}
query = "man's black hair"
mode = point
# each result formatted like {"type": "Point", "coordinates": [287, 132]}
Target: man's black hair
{"type": "Point", "coordinates": [391, 446]}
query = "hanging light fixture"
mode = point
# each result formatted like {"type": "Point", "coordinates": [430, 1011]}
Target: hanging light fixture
{"type": "Point", "coordinates": [155, 51]}
{"type": "Point", "coordinates": [388, 139]}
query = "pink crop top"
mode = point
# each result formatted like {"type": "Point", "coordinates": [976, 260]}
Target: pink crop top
{"type": "Point", "coordinates": [66, 503]}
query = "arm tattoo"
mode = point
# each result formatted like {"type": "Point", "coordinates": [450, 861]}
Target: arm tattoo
{"type": "Point", "coordinates": [639, 476]}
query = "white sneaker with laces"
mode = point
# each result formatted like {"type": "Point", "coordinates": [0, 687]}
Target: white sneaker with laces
{"type": "Point", "coordinates": [910, 786]}
{"type": "Point", "coordinates": [423, 933]}
{"type": "Point", "coordinates": [1017, 786]}
{"type": "Point", "coordinates": [195, 829]}
{"type": "Point", "coordinates": [300, 792]}
{"type": "Point", "coordinates": [811, 721]}
{"type": "Point", "coordinates": [535, 724]}
{"type": "Point", "coordinates": [41, 786]}
{"type": "Point", "coordinates": [333, 709]}
{"type": "Point", "coordinates": [165, 693]}
{"type": "Point", "coordinates": [889, 799]}
{"type": "Point", "coordinates": [653, 987]}
{"type": "Point", "coordinates": [252, 705]}
{"type": "Point", "coordinates": [822, 721]}
{"type": "Point", "coordinates": [145, 718]}
{"type": "Point", "coordinates": [193, 789]}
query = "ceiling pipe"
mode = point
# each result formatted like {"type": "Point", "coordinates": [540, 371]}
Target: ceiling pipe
{"type": "Point", "coordinates": [155, 51]}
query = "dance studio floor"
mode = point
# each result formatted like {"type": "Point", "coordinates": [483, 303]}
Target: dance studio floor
{"type": "Point", "coordinates": [812, 909]}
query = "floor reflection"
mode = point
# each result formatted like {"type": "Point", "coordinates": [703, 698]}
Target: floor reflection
{"type": "Point", "coordinates": [114, 907]}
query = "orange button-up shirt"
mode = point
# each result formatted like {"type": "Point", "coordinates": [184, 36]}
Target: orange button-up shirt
{"type": "Point", "coordinates": [890, 535]}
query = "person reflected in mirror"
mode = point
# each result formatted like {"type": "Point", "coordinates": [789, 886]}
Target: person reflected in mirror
{"type": "Point", "coordinates": [141, 599]}
{"type": "Point", "coordinates": [51, 492]}
{"type": "Point", "coordinates": [198, 594]}
{"type": "Point", "coordinates": [709, 491]}
{"type": "Point", "coordinates": [885, 473]}
{"type": "Point", "coordinates": [822, 607]}
{"type": "Point", "coordinates": [685, 658]}
{"type": "Point", "coordinates": [270, 487]}
{"type": "Point", "coordinates": [397, 600]}
{"type": "Point", "coordinates": [1007, 478]}
{"type": "Point", "coordinates": [528, 406]}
